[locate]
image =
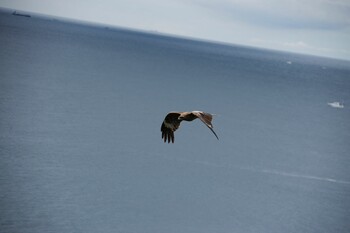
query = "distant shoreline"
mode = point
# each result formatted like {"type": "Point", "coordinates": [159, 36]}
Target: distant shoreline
{"type": "Point", "coordinates": [21, 14]}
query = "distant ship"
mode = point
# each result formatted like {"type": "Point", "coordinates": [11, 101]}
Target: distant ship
{"type": "Point", "coordinates": [20, 14]}
{"type": "Point", "coordinates": [336, 105]}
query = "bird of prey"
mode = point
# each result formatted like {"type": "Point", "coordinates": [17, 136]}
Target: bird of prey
{"type": "Point", "coordinates": [173, 119]}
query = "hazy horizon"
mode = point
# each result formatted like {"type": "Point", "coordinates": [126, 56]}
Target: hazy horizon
{"type": "Point", "coordinates": [155, 32]}
{"type": "Point", "coordinates": [315, 27]}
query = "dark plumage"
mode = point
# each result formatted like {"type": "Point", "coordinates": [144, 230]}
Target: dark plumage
{"type": "Point", "coordinates": [173, 119]}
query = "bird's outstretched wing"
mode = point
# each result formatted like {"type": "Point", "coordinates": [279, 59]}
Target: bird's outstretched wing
{"type": "Point", "coordinates": [169, 125]}
{"type": "Point", "coordinates": [206, 118]}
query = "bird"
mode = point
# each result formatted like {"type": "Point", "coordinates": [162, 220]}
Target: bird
{"type": "Point", "coordinates": [173, 119]}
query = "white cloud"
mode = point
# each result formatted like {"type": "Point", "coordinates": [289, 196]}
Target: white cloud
{"type": "Point", "coordinates": [318, 14]}
{"type": "Point", "coordinates": [298, 44]}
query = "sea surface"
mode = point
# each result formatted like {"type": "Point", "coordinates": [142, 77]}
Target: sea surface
{"type": "Point", "coordinates": [80, 143]}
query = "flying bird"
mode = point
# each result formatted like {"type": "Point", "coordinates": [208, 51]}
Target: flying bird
{"type": "Point", "coordinates": [173, 119]}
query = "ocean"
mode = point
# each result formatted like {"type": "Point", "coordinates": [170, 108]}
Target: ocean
{"type": "Point", "coordinates": [80, 144]}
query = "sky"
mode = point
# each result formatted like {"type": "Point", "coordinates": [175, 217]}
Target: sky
{"type": "Point", "coordinates": [317, 27]}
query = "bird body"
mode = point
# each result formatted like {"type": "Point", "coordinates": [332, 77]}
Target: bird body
{"type": "Point", "coordinates": [173, 119]}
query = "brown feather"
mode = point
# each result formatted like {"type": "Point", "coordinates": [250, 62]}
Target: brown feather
{"type": "Point", "coordinates": [173, 119]}
{"type": "Point", "coordinates": [206, 118]}
{"type": "Point", "coordinates": [170, 124]}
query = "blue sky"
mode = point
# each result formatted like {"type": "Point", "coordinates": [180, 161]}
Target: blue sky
{"type": "Point", "coordinates": [318, 27]}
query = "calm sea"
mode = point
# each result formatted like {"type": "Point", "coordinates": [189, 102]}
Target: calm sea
{"type": "Point", "coordinates": [80, 143]}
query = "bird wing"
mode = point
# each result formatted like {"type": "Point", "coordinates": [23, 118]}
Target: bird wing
{"type": "Point", "coordinates": [169, 125]}
{"type": "Point", "coordinates": [206, 118]}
